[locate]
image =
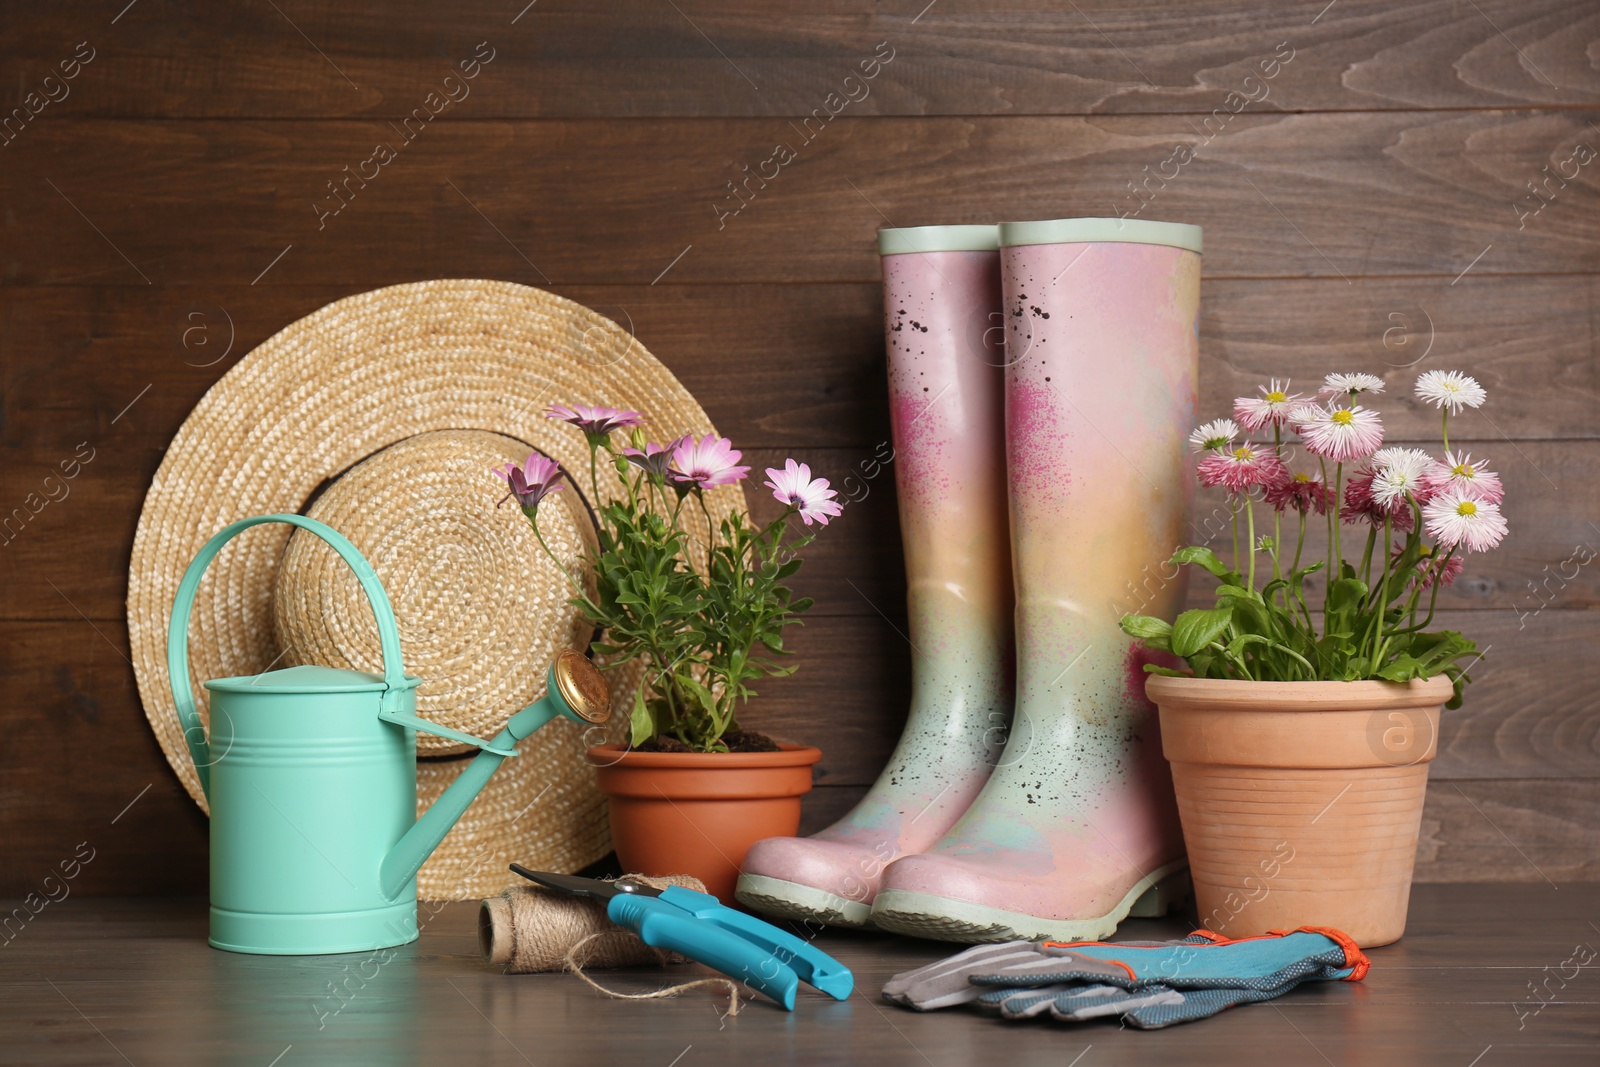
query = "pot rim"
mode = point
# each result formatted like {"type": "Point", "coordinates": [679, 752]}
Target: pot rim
{"type": "Point", "coordinates": [1364, 695]}
{"type": "Point", "coordinates": [612, 755]}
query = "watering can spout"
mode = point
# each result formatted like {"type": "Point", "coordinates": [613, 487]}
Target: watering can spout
{"type": "Point", "coordinates": [575, 690]}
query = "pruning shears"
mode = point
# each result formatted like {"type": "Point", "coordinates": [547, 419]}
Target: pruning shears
{"type": "Point", "coordinates": [697, 925]}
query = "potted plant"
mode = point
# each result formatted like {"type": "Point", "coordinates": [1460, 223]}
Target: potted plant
{"type": "Point", "coordinates": [692, 790]}
{"type": "Point", "coordinates": [1300, 740]}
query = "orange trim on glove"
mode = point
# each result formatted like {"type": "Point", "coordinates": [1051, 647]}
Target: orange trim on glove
{"type": "Point", "coordinates": [1354, 958]}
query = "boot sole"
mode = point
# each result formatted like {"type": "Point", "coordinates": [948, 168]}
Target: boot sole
{"type": "Point", "coordinates": [791, 900]}
{"type": "Point", "coordinates": [942, 919]}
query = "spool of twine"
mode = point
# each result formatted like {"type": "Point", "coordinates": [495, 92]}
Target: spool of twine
{"type": "Point", "coordinates": [529, 930]}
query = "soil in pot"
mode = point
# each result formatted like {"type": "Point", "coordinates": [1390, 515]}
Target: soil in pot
{"type": "Point", "coordinates": [699, 812]}
{"type": "Point", "coordinates": [736, 740]}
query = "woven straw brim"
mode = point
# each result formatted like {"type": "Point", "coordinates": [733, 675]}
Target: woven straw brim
{"type": "Point", "coordinates": [482, 609]}
{"type": "Point", "coordinates": [321, 396]}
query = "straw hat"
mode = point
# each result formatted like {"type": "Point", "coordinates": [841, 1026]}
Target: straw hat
{"type": "Point", "coordinates": [382, 414]}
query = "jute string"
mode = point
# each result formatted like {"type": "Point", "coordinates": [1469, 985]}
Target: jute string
{"type": "Point", "coordinates": [529, 930]}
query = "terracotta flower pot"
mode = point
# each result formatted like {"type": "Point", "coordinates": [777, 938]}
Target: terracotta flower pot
{"type": "Point", "coordinates": [1301, 801]}
{"type": "Point", "coordinates": [699, 812]}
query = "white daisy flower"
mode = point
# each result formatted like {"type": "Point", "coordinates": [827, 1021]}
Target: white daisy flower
{"type": "Point", "coordinates": [1271, 408]}
{"type": "Point", "coordinates": [1351, 384]}
{"type": "Point", "coordinates": [1337, 433]}
{"type": "Point", "coordinates": [1450, 389]}
{"type": "Point", "coordinates": [1214, 436]}
{"type": "Point", "coordinates": [1457, 519]}
{"type": "Point", "coordinates": [1398, 471]}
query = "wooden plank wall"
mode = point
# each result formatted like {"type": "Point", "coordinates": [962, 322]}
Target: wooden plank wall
{"type": "Point", "coordinates": [1403, 192]}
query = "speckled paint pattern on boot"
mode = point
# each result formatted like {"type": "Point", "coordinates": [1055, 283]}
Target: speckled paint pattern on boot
{"type": "Point", "coordinates": [1103, 357]}
{"type": "Point", "coordinates": [946, 381]}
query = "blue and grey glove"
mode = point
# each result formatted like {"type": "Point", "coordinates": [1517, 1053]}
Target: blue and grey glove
{"type": "Point", "coordinates": [1149, 983]}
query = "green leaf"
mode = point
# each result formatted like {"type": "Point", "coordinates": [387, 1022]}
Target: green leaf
{"type": "Point", "coordinates": [1157, 633]}
{"type": "Point", "coordinates": [1346, 594]}
{"type": "Point", "coordinates": [1194, 630]}
{"type": "Point", "coordinates": [1203, 557]}
{"type": "Point", "coordinates": [641, 724]}
{"type": "Point", "coordinates": [1403, 668]}
{"type": "Point", "coordinates": [1165, 672]}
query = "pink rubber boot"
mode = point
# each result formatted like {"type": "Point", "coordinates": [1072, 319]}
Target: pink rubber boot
{"type": "Point", "coordinates": [946, 391]}
{"type": "Point", "coordinates": [1077, 826]}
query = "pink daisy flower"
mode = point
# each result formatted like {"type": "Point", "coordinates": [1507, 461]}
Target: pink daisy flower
{"type": "Point", "coordinates": [1429, 571]}
{"type": "Point", "coordinates": [1271, 408]}
{"type": "Point", "coordinates": [1239, 468]}
{"type": "Point", "coordinates": [809, 496]}
{"type": "Point", "coordinates": [1455, 519]}
{"type": "Point", "coordinates": [595, 422]}
{"type": "Point", "coordinates": [537, 478]}
{"type": "Point", "coordinates": [653, 458]}
{"type": "Point", "coordinates": [704, 463]}
{"type": "Point", "coordinates": [1302, 492]}
{"type": "Point", "coordinates": [1338, 433]}
{"type": "Point", "coordinates": [1459, 472]}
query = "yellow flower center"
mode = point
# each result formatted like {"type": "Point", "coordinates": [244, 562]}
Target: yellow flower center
{"type": "Point", "coordinates": [1277, 396]}
{"type": "Point", "coordinates": [1464, 470]}
{"type": "Point", "coordinates": [1243, 454]}
{"type": "Point", "coordinates": [1466, 507]}
{"type": "Point", "coordinates": [1343, 417]}
{"type": "Point", "coordinates": [1302, 476]}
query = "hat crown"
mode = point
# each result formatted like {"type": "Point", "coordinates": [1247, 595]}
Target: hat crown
{"type": "Point", "coordinates": [306, 679]}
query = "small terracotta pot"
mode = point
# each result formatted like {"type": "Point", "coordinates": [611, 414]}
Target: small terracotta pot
{"type": "Point", "coordinates": [1301, 801]}
{"type": "Point", "coordinates": [699, 812]}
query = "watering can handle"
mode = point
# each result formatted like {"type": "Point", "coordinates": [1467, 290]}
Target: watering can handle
{"type": "Point", "coordinates": [178, 632]}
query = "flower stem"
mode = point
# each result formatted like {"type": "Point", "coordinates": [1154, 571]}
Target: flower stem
{"type": "Point", "coordinates": [1338, 521]}
{"type": "Point", "coordinates": [1444, 430]}
{"type": "Point", "coordinates": [1232, 502]}
{"type": "Point", "coordinates": [1277, 541]}
{"type": "Point", "coordinates": [711, 537]}
{"type": "Point", "coordinates": [1380, 600]}
{"type": "Point", "coordinates": [553, 559]}
{"type": "Point", "coordinates": [1333, 516]}
{"type": "Point", "coordinates": [1250, 519]}
{"type": "Point", "coordinates": [1300, 543]}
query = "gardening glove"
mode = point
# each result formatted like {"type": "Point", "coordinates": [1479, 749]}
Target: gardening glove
{"type": "Point", "coordinates": [1153, 984]}
{"type": "Point", "coordinates": [1148, 1008]}
{"type": "Point", "coordinates": [945, 984]}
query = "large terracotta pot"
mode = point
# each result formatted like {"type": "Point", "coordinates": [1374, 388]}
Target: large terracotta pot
{"type": "Point", "coordinates": [1301, 801]}
{"type": "Point", "coordinates": [697, 812]}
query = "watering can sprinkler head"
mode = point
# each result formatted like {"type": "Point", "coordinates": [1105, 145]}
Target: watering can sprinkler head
{"type": "Point", "coordinates": [575, 690]}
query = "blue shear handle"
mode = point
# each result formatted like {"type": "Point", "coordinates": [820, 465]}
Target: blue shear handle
{"type": "Point", "coordinates": [661, 925]}
{"type": "Point", "coordinates": [814, 966]}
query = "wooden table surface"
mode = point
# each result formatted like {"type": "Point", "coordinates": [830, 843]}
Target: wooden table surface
{"type": "Point", "coordinates": [130, 980]}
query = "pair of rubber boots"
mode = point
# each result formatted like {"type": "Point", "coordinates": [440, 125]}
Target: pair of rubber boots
{"type": "Point", "coordinates": [1042, 381]}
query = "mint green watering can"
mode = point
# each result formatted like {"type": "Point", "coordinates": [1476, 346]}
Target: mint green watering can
{"type": "Point", "coordinates": [312, 779]}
